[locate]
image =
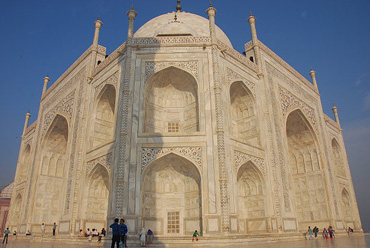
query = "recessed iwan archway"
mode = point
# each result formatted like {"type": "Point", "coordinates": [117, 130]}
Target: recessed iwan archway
{"type": "Point", "coordinates": [171, 102]}
{"type": "Point", "coordinates": [96, 198]}
{"type": "Point", "coordinates": [244, 122]}
{"type": "Point", "coordinates": [308, 183]}
{"type": "Point", "coordinates": [251, 199]}
{"type": "Point", "coordinates": [50, 187]}
{"type": "Point", "coordinates": [103, 122]}
{"type": "Point", "coordinates": [171, 196]}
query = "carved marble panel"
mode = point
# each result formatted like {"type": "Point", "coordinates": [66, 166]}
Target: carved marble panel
{"type": "Point", "coordinates": [241, 158]}
{"type": "Point", "coordinates": [153, 67]}
{"type": "Point", "coordinates": [232, 76]}
{"type": "Point", "coordinates": [113, 80]}
{"type": "Point", "coordinates": [194, 154]}
{"type": "Point", "coordinates": [289, 100]}
{"type": "Point", "coordinates": [105, 160]}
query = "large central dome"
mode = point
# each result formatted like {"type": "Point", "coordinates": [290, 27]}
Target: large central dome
{"type": "Point", "coordinates": [187, 24]}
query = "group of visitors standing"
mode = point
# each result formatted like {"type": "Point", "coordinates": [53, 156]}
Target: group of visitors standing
{"type": "Point", "coordinates": [326, 233]}
{"type": "Point", "coordinates": [119, 232]}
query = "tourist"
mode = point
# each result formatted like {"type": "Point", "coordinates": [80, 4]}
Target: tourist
{"type": "Point", "coordinates": [15, 233]}
{"type": "Point", "coordinates": [195, 235]}
{"type": "Point", "coordinates": [88, 232]}
{"type": "Point", "coordinates": [103, 232]}
{"type": "Point", "coordinates": [42, 229]}
{"type": "Point", "coordinates": [325, 234]}
{"type": "Point", "coordinates": [6, 234]}
{"type": "Point", "coordinates": [142, 237]}
{"type": "Point", "coordinates": [82, 234]}
{"type": "Point", "coordinates": [28, 233]}
{"type": "Point", "coordinates": [54, 228]}
{"type": "Point", "coordinates": [123, 230]}
{"type": "Point", "coordinates": [95, 232]}
{"type": "Point", "coordinates": [349, 231]}
{"type": "Point", "coordinates": [116, 235]}
{"type": "Point", "coordinates": [330, 230]}
{"type": "Point", "coordinates": [310, 232]}
{"type": "Point", "coordinates": [150, 236]}
{"type": "Point", "coordinates": [315, 231]}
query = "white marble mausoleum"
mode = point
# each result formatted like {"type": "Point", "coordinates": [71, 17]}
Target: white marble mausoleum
{"type": "Point", "coordinates": [176, 131]}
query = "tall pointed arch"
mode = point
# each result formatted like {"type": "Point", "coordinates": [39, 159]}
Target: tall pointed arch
{"type": "Point", "coordinates": [346, 205]}
{"type": "Point", "coordinates": [171, 102]}
{"type": "Point", "coordinates": [104, 121]}
{"type": "Point", "coordinates": [171, 196]}
{"type": "Point", "coordinates": [25, 163]}
{"type": "Point", "coordinates": [96, 197]}
{"type": "Point", "coordinates": [338, 159]}
{"type": "Point", "coordinates": [308, 180]}
{"type": "Point", "coordinates": [49, 191]}
{"type": "Point", "coordinates": [250, 197]}
{"type": "Point", "coordinates": [243, 114]}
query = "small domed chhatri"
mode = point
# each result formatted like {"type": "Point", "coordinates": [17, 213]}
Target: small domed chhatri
{"type": "Point", "coordinates": [176, 131]}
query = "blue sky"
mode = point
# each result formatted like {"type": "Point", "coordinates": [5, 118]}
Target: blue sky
{"type": "Point", "coordinates": [45, 37]}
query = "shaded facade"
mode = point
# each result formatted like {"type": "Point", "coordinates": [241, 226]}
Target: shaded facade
{"type": "Point", "coordinates": [176, 131]}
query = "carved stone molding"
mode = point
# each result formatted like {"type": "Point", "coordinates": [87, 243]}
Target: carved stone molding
{"type": "Point", "coordinates": [232, 76]}
{"type": "Point", "coordinates": [241, 158]}
{"type": "Point", "coordinates": [105, 160]}
{"type": "Point", "coordinates": [113, 80]}
{"type": "Point", "coordinates": [194, 154]}
{"type": "Point", "coordinates": [153, 67]}
{"type": "Point", "coordinates": [170, 40]}
{"type": "Point", "coordinates": [65, 106]}
{"type": "Point", "coordinates": [288, 101]}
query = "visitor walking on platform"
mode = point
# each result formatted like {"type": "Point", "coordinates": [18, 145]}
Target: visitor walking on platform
{"type": "Point", "coordinates": [315, 231]}
{"type": "Point", "coordinates": [142, 237]}
{"type": "Point", "coordinates": [6, 234]}
{"type": "Point", "coordinates": [350, 231]}
{"type": "Point", "coordinates": [42, 229]}
{"type": "Point", "coordinates": [195, 235]}
{"type": "Point", "coordinates": [325, 234]}
{"type": "Point", "coordinates": [123, 230]}
{"type": "Point", "coordinates": [310, 232]}
{"type": "Point", "coordinates": [150, 236]}
{"type": "Point", "coordinates": [54, 228]}
{"type": "Point", "coordinates": [116, 234]}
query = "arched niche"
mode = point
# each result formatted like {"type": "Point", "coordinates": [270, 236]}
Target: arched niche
{"type": "Point", "coordinates": [338, 159]}
{"type": "Point", "coordinates": [309, 190]}
{"type": "Point", "coordinates": [250, 194]}
{"type": "Point", "coordinates": [17, 210]}
{"type": "Point", "coordinates": [48, 196]}
{"type": "Point", "coordinates": [171, 196]}
{"type": "Point", "coordinates": [103, 123]}
{"type": "Point", "coordinates": [171, 102]}
{"type": "Point", "coordinates": [25, 163]}
{"type": "Point", "coordinates": [346, 205]}
{"type": "Point", "coordinates": [97, 193]}
{"type": "Point", "coordinates": [243, 114]}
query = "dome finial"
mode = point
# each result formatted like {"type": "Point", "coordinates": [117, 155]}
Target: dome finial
{"type": "Point", "coordinates": [210, 4]}
{"type": "Point", "coordinates": [178, 7]}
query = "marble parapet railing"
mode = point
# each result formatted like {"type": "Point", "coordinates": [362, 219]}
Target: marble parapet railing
{"type": "Point", "coordinates": [101, 50]}
{"type": "Point", "coordinates": [268, 51]}
{"type": "Point", "coordinates": [177, 40]}
{"type": "Point", "coordinates": [333, 123]}
{"type": "Point", "coordinates": [30, 128]}
{"type": "Point", "coordinates": [115, 54]}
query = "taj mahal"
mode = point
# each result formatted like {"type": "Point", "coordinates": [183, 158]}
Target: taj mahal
{"type": "Point", "coordinates": [176, 131]}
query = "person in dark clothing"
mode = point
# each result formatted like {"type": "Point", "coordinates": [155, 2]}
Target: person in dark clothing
{"type": "Point", "coordinates": [123, 229]}
{"type": "Point", "coordinates": [116, 233]}
{"type": "Point", "coordinates": [315, 231]}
